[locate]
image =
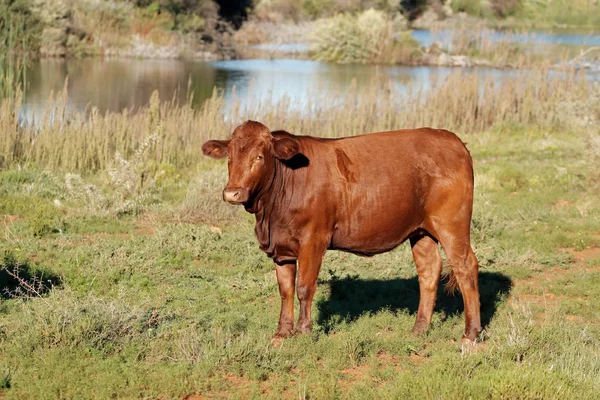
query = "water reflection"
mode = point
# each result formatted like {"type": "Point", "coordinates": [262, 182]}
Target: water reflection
{"type": "Point", "coordinates": [117, 84]}
{"type": "Point", "coordinates": [112, 85]}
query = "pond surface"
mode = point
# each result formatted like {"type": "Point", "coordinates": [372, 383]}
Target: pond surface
{"type": "Point", "coordinates": [426, 37]}
{"type": "Point", "coordinates": [115, 84]}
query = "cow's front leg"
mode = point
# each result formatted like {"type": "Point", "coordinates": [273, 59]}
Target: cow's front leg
{"type": "Point", "coordinates": [309, 264]}
{"type": "Point", "coordinates": [286, 279]}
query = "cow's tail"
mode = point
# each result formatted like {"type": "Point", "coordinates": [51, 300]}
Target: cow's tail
{"type": "Point", "coordinates": [451, 283]}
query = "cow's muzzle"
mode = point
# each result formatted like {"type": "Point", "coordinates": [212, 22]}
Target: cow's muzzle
{"type": "Point", "coordinates": [235, 195]}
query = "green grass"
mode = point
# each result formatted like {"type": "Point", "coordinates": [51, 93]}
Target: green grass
{"type": "Point", "coordinates": [177, 299]}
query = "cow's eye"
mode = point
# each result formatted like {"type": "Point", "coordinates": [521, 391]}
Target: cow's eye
{"type": "Point", "coordinates": [258, 158]}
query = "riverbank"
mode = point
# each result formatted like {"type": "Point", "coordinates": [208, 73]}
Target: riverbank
{"type": "Point", "coordinates": [456, 46]}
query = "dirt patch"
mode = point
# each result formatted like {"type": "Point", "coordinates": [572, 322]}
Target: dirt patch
{"type": "Point", "coordinates": [144, 229]}
{"type": "Point", "coordinates": [417, 358]}
{"type": "Point", "coordinates": [385, 359]}
{"type": "Point", "coordinates": [545, 303]}
{"type": "Point", "coordinates": [584, 255]}
{"type": "Point", "coordinates": [236, 384]}
{"type": "Point", "coordinates": [193, 396]}
{"type": "Point", "coordinates": [238, 381]}
{"type": "Point", "coordinates": [547, 275]}
{"type": "Point", "coordinates": [388, 359]}
{"type": "Point", "coordinates": [549, 300]}
{"type": "Point", "coordinates": [7, 219]}
{"type": "Point", "coordinates": [357, 373]}
{"type": "Point", "coordinates": [574, 318]}
{"type": "Point", "coordinates": [241, 387]}
{"type": "Point", "coordinates": [562, 203]}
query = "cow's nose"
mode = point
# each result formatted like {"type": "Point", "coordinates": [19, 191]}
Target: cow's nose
{"type": "Point", "coordinates": [235, 195]}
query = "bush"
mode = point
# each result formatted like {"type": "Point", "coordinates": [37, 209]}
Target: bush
{"type": "Point", "coordinates": [173, 6]}
{"type": "Point", "coordinates": [345, 38]}
{"type": "Point", "coordinates": [505, 8]}
{"type": "Point", "coordinates": [317, 8]}
{"type": "Point", "coordinates": [130, 185]}
{"type": "Point", "coordinates": [370, 37]}
{"type": "Point", "coordinates": [471, 7]}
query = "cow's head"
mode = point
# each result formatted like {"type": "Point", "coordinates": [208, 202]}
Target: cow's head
{"type": "Point", "coordinates": [252, 151]}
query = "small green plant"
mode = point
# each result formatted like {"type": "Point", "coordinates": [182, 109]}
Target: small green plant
{"type": "Point", "coordinates": [44, 219]}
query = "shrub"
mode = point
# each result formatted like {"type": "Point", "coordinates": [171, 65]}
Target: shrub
{"type": "Point", "coordinates": [344, 38]}
{"type": "Point", "coordinates": [472, 7]}
{"type": "Point", "coordinates": [250, 33]}
{"type": "Point", "coordinates": [317, 8]}
{"type": "Point", "coordinates": [505, 8]}
{"type": "Point", "coordinates": [130, 185]}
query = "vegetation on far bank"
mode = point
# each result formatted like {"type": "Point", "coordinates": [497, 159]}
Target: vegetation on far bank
{"type": "Point", "coordinates": [467, 33]}
{"type": "Point", "coordinates": [123, 273]}
{"type": "Point", "coordinates": [158, 28]}
{"type": "Point", "coordinates": [423, 13]}
{"type": "Point", "coordinates": [341, 31]}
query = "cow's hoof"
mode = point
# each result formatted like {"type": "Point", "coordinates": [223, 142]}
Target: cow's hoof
{"type": "Point", "coordinates": [467, 345]}
{"type": "Point", "coordinates": [420, 328]}
{"type": "Point", "coordinates": [303, 329]}
{"type": "Point", "coordinates": [283, 333]}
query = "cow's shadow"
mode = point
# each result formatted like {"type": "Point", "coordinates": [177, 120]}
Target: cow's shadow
{"type": "Point", "coordinates": [350, 297]}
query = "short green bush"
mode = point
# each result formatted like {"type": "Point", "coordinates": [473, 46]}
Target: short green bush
{"type": "Point", "coordinates": [345, 38]}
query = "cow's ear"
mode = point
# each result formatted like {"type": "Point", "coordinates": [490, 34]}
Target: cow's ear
{"type": "Point", "coordinates": [215, 148]}
{"type": "Point", "coordinates": [285, 148]}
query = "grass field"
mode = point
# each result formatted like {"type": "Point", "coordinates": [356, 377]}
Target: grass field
{"type": "Point", "coordinates": [134, 279]}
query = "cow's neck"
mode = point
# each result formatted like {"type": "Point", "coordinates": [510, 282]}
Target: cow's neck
{"type": "Point", "coordinates": [264, 196]}
{"type": "Point", "coordinates": [268, 203]}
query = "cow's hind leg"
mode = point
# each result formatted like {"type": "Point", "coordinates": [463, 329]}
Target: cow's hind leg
{"type": "Point", "coordinates": [465, 269]}
{"type": "Point", "coordinates": [286, 279]}
{"type": "Point", "coordinates": [427, 258]}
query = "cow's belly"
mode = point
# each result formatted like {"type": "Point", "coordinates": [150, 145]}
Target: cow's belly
{"type": "Point", "coordinates": [370, 233]}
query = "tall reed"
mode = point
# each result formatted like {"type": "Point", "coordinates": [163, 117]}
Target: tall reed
{"type": "Point", "coordinates": [88, 140]}
{"type": "Point", "coordinates": [19, 35]}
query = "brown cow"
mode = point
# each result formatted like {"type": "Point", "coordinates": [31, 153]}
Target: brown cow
{"type": "Point", "coordinates": [365, 195]}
